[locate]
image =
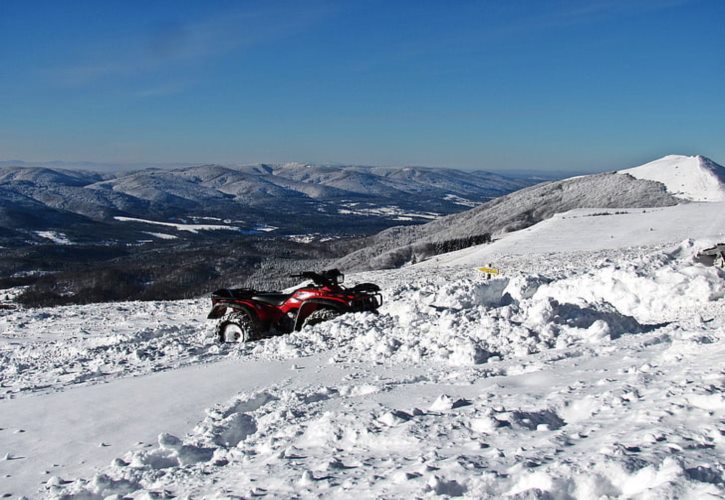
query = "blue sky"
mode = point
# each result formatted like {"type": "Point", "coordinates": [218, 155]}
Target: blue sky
{"type": "Point", "coordinates": [551, 85]}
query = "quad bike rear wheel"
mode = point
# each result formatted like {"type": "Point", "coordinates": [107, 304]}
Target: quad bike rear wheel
{"type": "Point", "coordinates": [234, 327]}
{"type": "Point", "coordinates": [319, 316]}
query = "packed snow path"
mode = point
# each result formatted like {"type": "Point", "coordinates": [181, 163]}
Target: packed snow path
{"type": "Point", "coordinates": [598, 375]}
{"type": "Point", "coordinates": [87, 426]}
{"type": "Point", "coordinates": [67, 433]}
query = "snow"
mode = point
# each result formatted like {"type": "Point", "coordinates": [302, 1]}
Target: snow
{"type": "Point", "coordinates": [392, 212]}
{"type": "Point", "coordinates": [304, 238]}
{"type": "Point", "coordinates": [161, 236]}
{"type": "Point", "coordinates": [11, 294]}
{"type": "Point", "coordinates": [192, 228]}
{"type": "Point", "coordinates": [587, 373]}
{"type": "Point", "coordinates": [311, 237]}
{"type": "Point", "coordinates": [460, 201]}
{"type": "Point", "coordinates": [521, 209]}
{"type": "Point", "coordinates": [55, 237]}
{"type": "Point", "coordinates": [689, 177]}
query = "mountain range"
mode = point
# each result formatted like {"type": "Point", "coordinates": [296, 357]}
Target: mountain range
{"type": "Point", "coordinates": [290, 197]}
{"type": "Point", "coordinates": [41, 204]}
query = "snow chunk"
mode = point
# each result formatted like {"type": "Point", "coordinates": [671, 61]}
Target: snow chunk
{"type": "Point", "coordinates": [234, 429]}
{"type": "Point", "coordinates": [445, 403]}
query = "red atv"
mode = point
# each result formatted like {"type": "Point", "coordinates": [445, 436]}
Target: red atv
{"type": "Point", "coordinates": [245, 314]}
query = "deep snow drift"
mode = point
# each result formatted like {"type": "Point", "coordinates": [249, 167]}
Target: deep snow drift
{"type": "Point", "coordinates": [583, 374]}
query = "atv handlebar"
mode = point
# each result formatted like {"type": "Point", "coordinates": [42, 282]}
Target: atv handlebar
{"type": "Point", "coordinates": [306, 274]}
{"type": "Point", "coordinates": [329, 277]}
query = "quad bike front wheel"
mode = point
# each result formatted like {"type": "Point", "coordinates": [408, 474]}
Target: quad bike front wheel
{"type": "Point", "coordinates": [320, 315]}
{"type": "Point", "coordinates": [235, 327]}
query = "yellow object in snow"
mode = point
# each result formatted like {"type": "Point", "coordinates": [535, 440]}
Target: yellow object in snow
{"type": "Point", "coordinates": [488, 270]}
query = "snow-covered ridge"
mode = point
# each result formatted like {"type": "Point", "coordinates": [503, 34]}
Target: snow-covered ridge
{"type": "Point", "coordinates": [284, 196]}
{"type": "Point", "coordinates": [664, 182]}
{"type": "Point", "coordinates": [693, 178]}
{"type": "Point", "coordinates": [587, 229]}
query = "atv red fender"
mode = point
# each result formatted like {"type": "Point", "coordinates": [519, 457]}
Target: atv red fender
{"type": "Point", "coordinates": [220, 310]}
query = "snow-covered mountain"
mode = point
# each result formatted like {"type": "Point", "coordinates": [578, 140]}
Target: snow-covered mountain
{"type": "Point", "coordinates": [656, 184]}
{"type": "Point", "coordinates": [591, 373]}
{"type": "Point", "coordinates": [309, 196]}
{"type": "Point", "coordinates": [693, 178]}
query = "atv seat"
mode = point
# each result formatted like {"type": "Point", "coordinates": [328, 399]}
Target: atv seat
{"type": "Point", "coordinates": [233, 293]}
{"type": "Point", "coordinates": [275, 299]}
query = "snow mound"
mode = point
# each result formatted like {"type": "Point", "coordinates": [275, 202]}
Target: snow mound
{"type": "Point", "coordinates": [650, 289]}
{"type": "Point", "coordinates": [694, 178]}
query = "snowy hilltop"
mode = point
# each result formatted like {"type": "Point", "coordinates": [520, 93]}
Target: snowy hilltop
{"type": "Point", "coordinates": [590, 367]}
{"type": "Point", "coordinates": [693, 178]}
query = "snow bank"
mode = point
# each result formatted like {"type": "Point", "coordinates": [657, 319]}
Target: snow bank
{"type": "Point", "coordinates": [448, 317]}
{"type": "Point", "coordinates": [653, 288]}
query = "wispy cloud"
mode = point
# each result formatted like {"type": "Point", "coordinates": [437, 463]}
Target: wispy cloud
{"type": "Point", "coordinates": [164, 45]}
